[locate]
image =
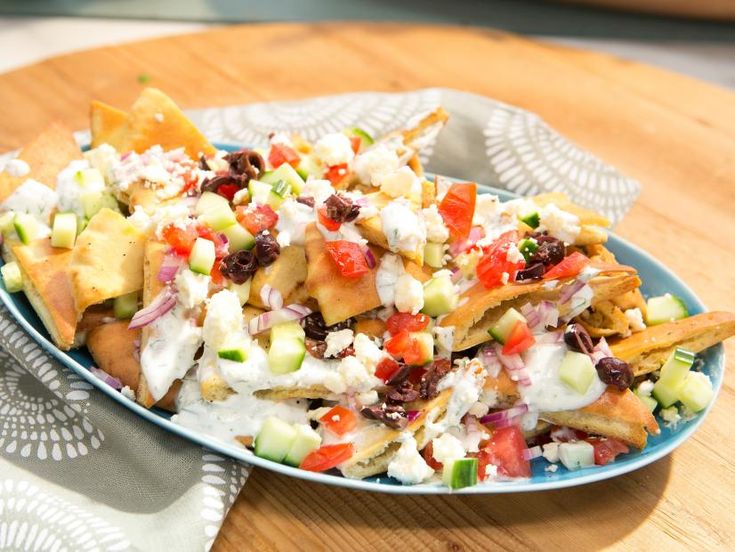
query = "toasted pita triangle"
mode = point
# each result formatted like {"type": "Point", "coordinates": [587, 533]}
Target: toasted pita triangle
{"type": "Point", "coordinates": [107, 260]}
{"type": "Point", "coordinates": [47, 286]}
{"type": "Point", "coordinates": [646, 351]}
{"type": "Point", "coordinates": [109, 125]}
{"type": "Point", "coordinates": [47, 154]}
{"type": "Point", "coordinates": [286, 273]}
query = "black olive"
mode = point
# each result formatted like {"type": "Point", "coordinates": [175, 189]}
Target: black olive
{"type": "Point", "coordinates": [578, 338]}
{"type": "Point", "coordinates": [266, 248]}
{"type": "Point", "coordinates": [614, 371]}
{"type": "Point", "coordinates": [239, 266]}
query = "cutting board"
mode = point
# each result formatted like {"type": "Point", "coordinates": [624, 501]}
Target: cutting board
{"type": "Point", "coordinates": [674, 134]}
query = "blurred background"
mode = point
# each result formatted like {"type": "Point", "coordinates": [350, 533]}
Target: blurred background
{"type": "Point", "coordinates": [696, 37]}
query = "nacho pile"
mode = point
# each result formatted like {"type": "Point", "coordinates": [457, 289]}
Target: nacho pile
{"type": "Point", "coordinates": [330, 306]}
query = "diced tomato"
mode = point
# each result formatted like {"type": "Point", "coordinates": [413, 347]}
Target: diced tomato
{"type": "Point", "coordinates": [327, 457]}
{"type": "Point", "coordinates": [414, 353]}
{"type": "Point", "coordinates": [505, 450]}
{"type": "Point", "coordinates": [519, 340]}
{"type": "Point", "coordinates": [494, 262]}
{"type": "Point", "coordinates": [607, 449]}
{"type": "Point", "coordinates": [280, 154]}
{"type": "Point", "coordinates": [336, 173]}
{"type": "Point", "coordinates": [398, 343]}
{"type": "Point", "coordinates": [570, 266]}
{"type": "Point", "coordinates": [228, 191]}
{"type": "Point", "coordinates": [457, 209]}
{"type": "Point", "coordinates": [181, 240]}
{"type": "Point", "coordinates": [216, 274]}
{"type": "Point", "coordinates": [355, 142]}
{"type": "Point", "coordinates": [386, 369]}
{"type": "Point", "coordinates": [349, 258]}
{"type": "Point", "coordinates": [220, 244]}
{"type": "Point", "coordinates": [428, 454]}
{"type": "Point", "coordinates": [339, 420]}
{"type": "Point", "coordinates": [325, 221]}
{"type": "Point", "coordinates": [256, 219]}
{"type": "Point", "coordinates": [401, 321]}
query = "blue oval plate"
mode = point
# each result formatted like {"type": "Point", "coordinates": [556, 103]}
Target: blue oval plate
{"type": "Point", "coordinates": [657, 280]}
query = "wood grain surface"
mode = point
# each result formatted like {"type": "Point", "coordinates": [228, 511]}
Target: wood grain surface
{"type": "Point", "coordinates": [674, 134]}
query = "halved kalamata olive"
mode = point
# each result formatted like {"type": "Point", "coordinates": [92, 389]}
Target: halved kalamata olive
{"type": "Point", "coordinates": [531, 272]}
{"type": "Point", "coordinates": [239, 266]}
{"type": "Point", "coordinates": [245, 165]}
{"type": "Point", "coordinates": [306, 200]}
{"type": "Point", "coordinates": [404, 393]}
{"type": "Point", "coordinates": [399, 376]}
{"type": "Point", "coordinates": [341, 209]}
{"type": "Point", "coordinates": [213, 184]}
{"type": "Point", "coordinates": [266, 248]}
{"type": "Point", "coordinates": [578, 338]}
{"type": "Point", "coordinates": [430, 380]}
{"type": "Point", "coordinates": [614, 371]}
{"type": "Point", "coordinates": [392, 415]}
{"type": "Point", "coordinates": [315, 327]}
{"type": "Point", "coordinates": [550, 250]}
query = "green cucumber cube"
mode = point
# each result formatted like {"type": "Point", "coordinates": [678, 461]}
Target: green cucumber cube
{"type": "Point", "coordinates": [307, 440]}
{"type": "Point", "coordinates": [125, 306]}
{"type": "Point", "coordinates": [309, 166]}
{"type": "Point", "coordinates": [26, 227]}
{"type": "Point", "coordinates": [64, 231]}
{"type": "Point", "coordinates": [425, 342]}
{"type": "Point", "coordinates": [434, 254]}
{"type": "Point", "coordinates": [672, 376]}
{"type": "Point", "coordinates": [440, 296]}
{"type": "Point", "coordinates": [460, 473]}
{"type": "Point", "coordinates": [649, 401]}
{"type": "Point", "coordinates": [665, 308]}
{"type": "Point", "coordinates": [527, 247]}
{"type": "Point", "coordinates": [577, 455]}
{"type": "Point", "coordinates": [93, 202]}
{"type": "Point", "coordinates": [202, 256]}
{"type": "Point", "coordinates": [12, 277]}
{"type": "Point", "coordinates": [364, 136]}
{"type": "Point", "coordinates": [577, 371]}
{"type": "Point", "coordinates": [287, 349]}
{"type": "Point", "coordinates": [6, 223]}
{"type": "Point", "coordinates": [90, 178]}
{"type": "Point", "coordinates": [502, 328]}
{"type": "Point", "coordinates": [531, 219]}
{"type": "Point", "coordinates": [696, 392]}
{"type": "Point", "coordinates": [289, 176]}
{"type": "Point", "coordinates": [241, 290]}
{"type": "Point", "coordinates": [218, 218]}
{"type": "Point", "coordinates": [236, 354]}
{"type": "Point", "coordinates": [259, 192]}
{"type": "Point", "coordinates": [287, 330]}
{"type": "Point", "coordinates": [208, 201]}
{"type": "Point", "coordinates": [238, 238]}
{"type": "Point", "coordinates": [278, 193]}
{"type": "Point", "coordinates": [274, 440]}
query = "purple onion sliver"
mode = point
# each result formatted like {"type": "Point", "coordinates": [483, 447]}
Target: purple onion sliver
{"type": "Point", "coordinates": [161, 304]}
{"type": "Point", "coordinates": [100, 374]}
{"type": "Point", "coordinates": [569, 290]}
{"type": "Point", "coordinates": [531, 453]}
{"type": "Point", "coordinates": [411, 415]}
{"type": "Point", "coordinates": [512, 412]}
{"type": "Point", "coordinates": [271, 318]}
{"type": "Point", "coordinates": [369, 257]}
{"type": "Point", "coordinates": [169, 267]}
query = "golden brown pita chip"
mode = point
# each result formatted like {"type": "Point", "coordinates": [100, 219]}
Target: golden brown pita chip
{"type": "Point", "coordinates": [107, 260]}
{"type": "Point", "coordinates": [605, 319]}
{"type": "Point", "coordinates": [46, 155]}
{"type": "Point", "coordinates": [647, 350]}
{"type": "Point", "coordinates": [109, 125]}
{"type": "Point", "coordinates": [339, 298]}
{"type": "Point", "coordinates": [114, 349]}
{"type": "Point", "coordinates": [286, 273]}
{"type": "Point", "coordinates": [47, 286]}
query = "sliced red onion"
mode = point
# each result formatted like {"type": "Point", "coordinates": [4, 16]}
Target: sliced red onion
{"type": "Point", "coordinates": [510, 362]}
{"type": "Point", "coordinates": [600, 351]}
{"type": "Point", "coordinates": [563, 434]}
{"type": "Point", "coordinates": [531, 453]}
{"type": "Point", "coordinates": [222, 247]}
{"type": "Point", "coordinates": [362, 201]}
{"type": "Point", "coordinates": [268, 319]}
{"type": "Point", "coordinates": [569, 290]}
{"type": "Point", "coordinates": [502, 416]}
{"type": "Point", "coordinates": [411, 415]}
{"type": "Point", "coordinates": [369, 257]}
{"type": "Point", "coordinates": [489, 361]}
{"type": "Point", "coordinates": [580, 301]}
{"type": "Point", "coordinates": [521, 377]}
{"type": "Point", "coordinates": [100, 374]}
{"type": "Point", "coordinates": [161, 304]}
{"type": "Point", "coordinates": [169, 268]}
{"type": "Point", "coordinates": [271, 297]}
{"type": "Point", "coordinates": [531, 314]}
{"type": "Point", "coordinates": [456, 275]}
{"type": "Point", "coordinates": [548, 313]}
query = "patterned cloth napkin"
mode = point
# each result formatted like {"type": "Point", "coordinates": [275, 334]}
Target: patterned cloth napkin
{"type": "Point", "coordinates": [78, 471]}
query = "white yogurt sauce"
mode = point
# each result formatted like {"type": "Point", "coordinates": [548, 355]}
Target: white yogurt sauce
{"type": "Point", "coordinates": [404, 229]}
{"type": "Point", "coordinates": [32, 198]}
{"type": "Point", "coordinates": [389, 270]}
{"type": "Point", "coordinates": [293, 217]}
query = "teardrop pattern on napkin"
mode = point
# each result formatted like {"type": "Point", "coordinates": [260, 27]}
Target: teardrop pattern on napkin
{"type": "Point", "coordinates": [222, 480]}
{"type": "Point", "coordinates": [529, 158]}
{"type": "Point", "coordinates": [32, 519]}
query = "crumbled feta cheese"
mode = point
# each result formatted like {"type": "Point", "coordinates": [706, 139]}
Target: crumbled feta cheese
{"type": "Point", "coordinates": [241, 197]}
{"type": "Point", "coordinates": [442, 187]}
{"type": "Point", "coordinates": [551, 452]}
{"type": "Point", "coordinates": [402, 182]}
{"type": "Point", "coordinates": [491, 471]}
{"type": "Point", "coordinates": [320, 190]}
{"type": "Point", "coordinates": [33, 198]}
{"type": "Point", "coordinates": [466, 383]}
{"type": "Point", "coordinates": [514, 255]}
{"type": "Point", "coordinates": [551, 468]}
{"type": "Point", "coordinates": [368, 397]}
{"type": "Point", "coordinates": [338, 342]}
{"type": "Point", "coordinates": [281, 138]}
{"type": "Point", "coordinates": [140, 219]}
{"type": "Point", "coordinates": [436, 230]}
{"type": "Point", "coordinates": [409, 294]}
{"type": "Point", "coordinates": [444, 339]}
{"type": "Point", "coordinates": [490, 397]}
{"type": "Point", "coordinates": [355, 374]}
{"type": "Point", "coordinates": [367, 352]}
{"type": "Point", "coordinates": [389, 270]}
{"type": "Point", "coordinates": [192, 288]}
{"type": "Point", "coordinates": [293, 217]}
{"type": "Point", "coordinates": [479, 409]}
{"type": "Point", "coordinates": [447, 448]}
{"type": "Point", "coordinates": [408, 466]}
{"type": "Point", "coordinates": [635, 319]}
{"type": "Point", "coordinates": [176, 214]}
{"type": "Point", "coordinates": [504, 277]}
{"type": "Point", "coordinates": [334, 149]}
{"type": "Point", "coordinates": [224, 317]}
{"type": "Point", "coordinates": [103, 158]}
{"type": "Point", "coordinates": [670, 416]}
{"type": "Point", "coordinates": [128, 393]}
{"type": "Point", "coordinates": [70, 186]}
{"type": "Point", "coordinates": [486, 208]}
{"type": "Point", "coordinates": [403, 228]}
{"type": "Point", "coordinates": [559, 224]}
{"type": "Point", "coordinates": [645, 388]}
{"type": "Point", "coordinates": [373, 163]}
{"type": "Point", "coordinates": [17, 168]}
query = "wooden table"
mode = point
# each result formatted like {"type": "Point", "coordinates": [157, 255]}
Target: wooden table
{"type": "Point", "coordinates": [676, 135]}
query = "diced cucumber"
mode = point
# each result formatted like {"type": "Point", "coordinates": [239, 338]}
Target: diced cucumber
{"type": "Point", "coordinates": [309, 166]}
{"type": "Point", "coordinates": [307, 440]}
{"type": "Point", "coordinates": [202, 256]}
{"type": "Point", "coordinates": [286, 355]}
{"type": "Point", "coordinates": [425, 343]}
{"type": "Point", "coordinates": [434, 254]}
{"type": "Point", "coordinates": [531, 219]}
{"type": "Point", "coordinates": [82, 223]}
{"type": "Point", "coordinates": [64, 232]}
{"type": "Point", "coordinates": [238, 238]}
{"type": "Point", "coordinates": [26, 227]}
{"type": "Point", "coordinates": [275, 439]}
{"type": "Point", "coordinates": [93, 202]}
{"type": "Point", "coordinates": [577, 371]}
{"type": "Point", "coordinates": [286, 173]}
{"type": "Point", "coordinates": [287, 330]}
{"type": "Point", "coordinates": [279, 191]}
{"type": "Point", "coordinates": [90, 179]}
{"type": "Point", "coordinates": [259, 192]}
{"type": "Point", "coordinates": [218, 218]}
{"type": "Point", "coordinates": [527, 247]}
{"type": "Point", "coordinates": [208, 201]}
{"type": "Point", "coordinates": [12, 277]}
{"type": "Point", "coordinates": [460, 473]}
{"type": "Point", "coordinates": [577, 455]}
{"type": "Point", "coordinates": [647, 399]}
{"type": "Point", "coordinates": [125, 306]}
{"type": "Point", "coordinates": [236, 354]}
{"type": "Point", "coordinates": [502, 328]}
{"type": "Point", "coordinates": [6, 223]}
{"type": "Point", "coordinates": [364, 136]}
{"type": "Point", "coordinates": [673, 373]}
{"type": "Point", "coordinates": [665, 308]}
{"type": "Point", "coordinates": [242, 290]}
{"type": "Point", "coordinates": [440, 296]}
{"type": "Point", "coordinates": [696, 392]}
